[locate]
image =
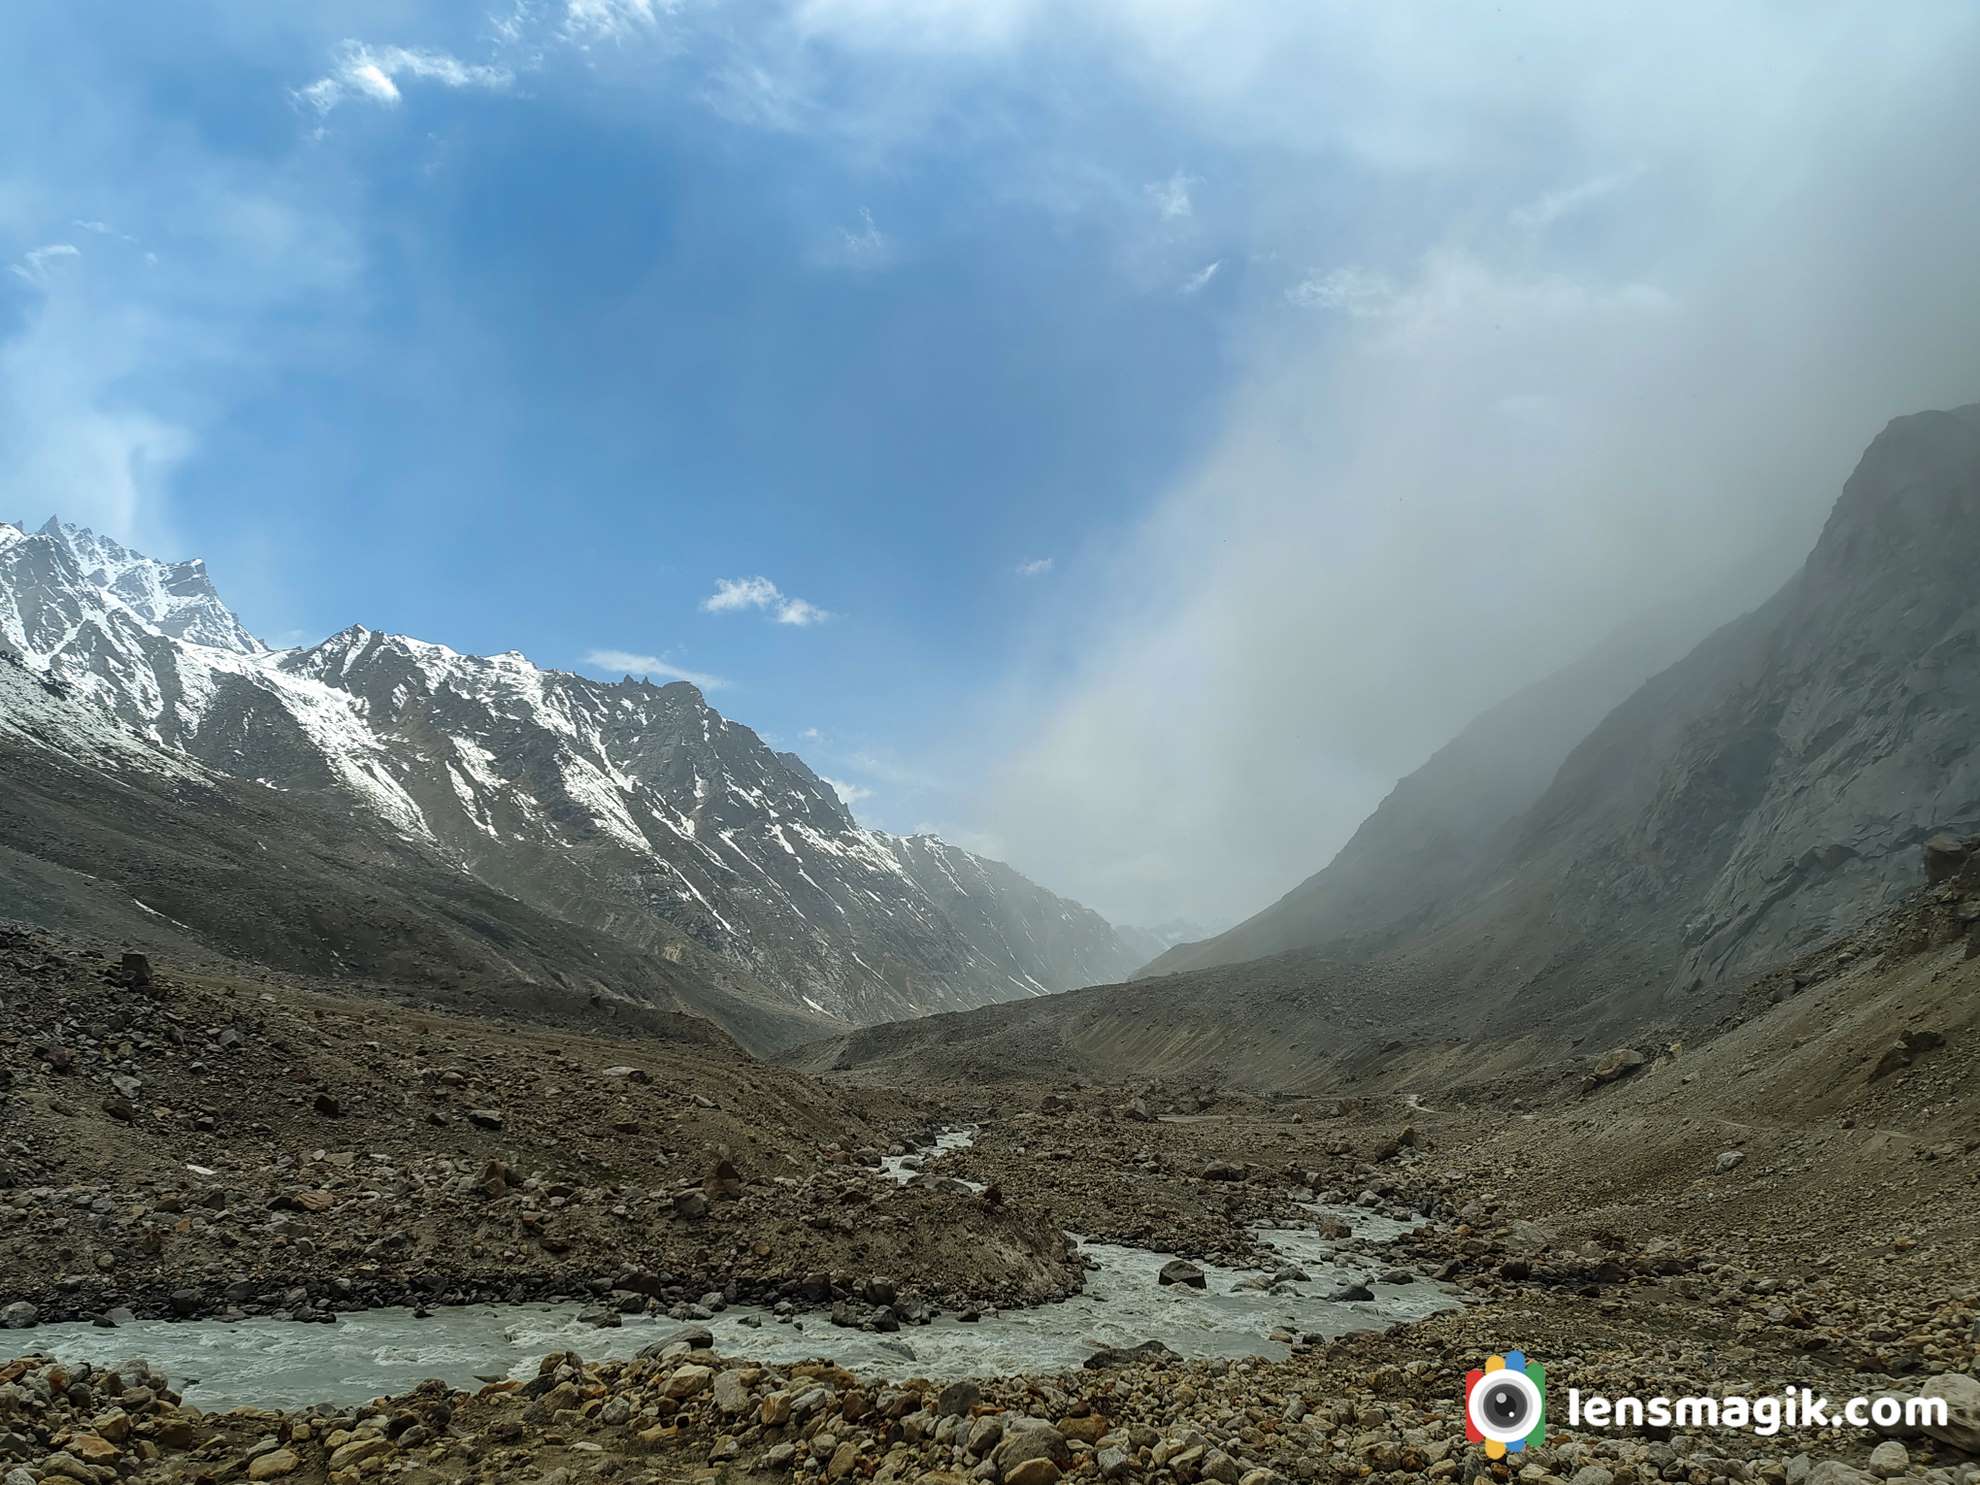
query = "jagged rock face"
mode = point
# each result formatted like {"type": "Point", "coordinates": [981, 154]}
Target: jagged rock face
{"type": "Point", "coordinates": [1776, 786]}
{"type": "Point", "coordinates": [107, 835]}
{"type": "Point", "coordinates": [634, 808]}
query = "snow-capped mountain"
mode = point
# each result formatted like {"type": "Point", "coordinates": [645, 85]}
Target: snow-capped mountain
{"type": "Point", "coordinates": [627, 807]}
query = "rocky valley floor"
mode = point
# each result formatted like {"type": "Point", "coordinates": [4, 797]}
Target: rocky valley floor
{"type": "Point", "coordinates": [1789, 1200]}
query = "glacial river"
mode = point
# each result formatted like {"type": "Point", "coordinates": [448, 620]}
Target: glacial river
{"type": "Point", "coordinates": [274, 1363]}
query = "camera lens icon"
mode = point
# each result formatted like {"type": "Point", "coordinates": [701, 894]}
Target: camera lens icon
{"type": "Point", "coordinates": [1505, 1404]}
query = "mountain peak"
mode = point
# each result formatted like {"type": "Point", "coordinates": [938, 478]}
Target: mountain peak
{"type": "Point", "coordinates": [636, 809]}
{"type": "Point", "coordinates": [1910, 506]}
{"type": "Point", "coordinates": [176, 598]}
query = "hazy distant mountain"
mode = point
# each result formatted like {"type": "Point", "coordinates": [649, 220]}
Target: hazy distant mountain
{"type": "Point", "coordinates": [1439, 824]}
{"type": "Point", "coordinates": [1151, 942]}
{"type": "Point", "coordinates": [635, 809]}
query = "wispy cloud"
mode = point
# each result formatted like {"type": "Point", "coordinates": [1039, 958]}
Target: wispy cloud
{"type": "Point", "coordinates": [371, 74]}
{"type": "Point", "coordinates": [613, 20]}
{"type": "Point", "coordinates": [626, 662]}
{"type": "Point", "coordinates": [35, 263]}
{"type": "Point", "coordinates": [1350, 291]}
{"type": "Point", "coordinates": [1036, 567]}
{"type": "Point", "coordinates": [1171, 197]}
{"type": "Point", "coordinates": [861, 249]}
{"type": "Point", "coordinates": [1568, 201]}
{"type": "Point", "coordinates": [103, 229]}
{"type": "Point", "coordinates": [1198, 281]}
{"type": "Point", "coordinates": [737, 595]}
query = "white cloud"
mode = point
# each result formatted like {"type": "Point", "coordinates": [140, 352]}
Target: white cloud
{"type": "Point", "coordinates": [34, 264]}
{"type": "Point", "coordinates": [795, 611]}
{"type": "Point", "coordinates": [732, 594]}
{"type": "Point", "coordinates": [849, 794]}
{"type": "Point", "coordinates": [735, 595]}
{"type": "Point", "coordinates": [1171, 196]}
{"type": "Point", "coordinates": [626, 662]}
{"type": "Point", "coordinates": [812, 734]}
{"type": "Point", "coordinates": [1198, 281]}
{"type": "Point", "coordinates": [361, 71]}
{"type": "Point", "coordinates": [1036, 567]}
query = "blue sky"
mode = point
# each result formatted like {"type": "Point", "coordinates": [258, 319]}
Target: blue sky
{"type": "Point", "coordinates": [1174, 418]}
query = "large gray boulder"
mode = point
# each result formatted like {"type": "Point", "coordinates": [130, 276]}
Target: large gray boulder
{"type": "Point", "coordinates": [1962, 1396]}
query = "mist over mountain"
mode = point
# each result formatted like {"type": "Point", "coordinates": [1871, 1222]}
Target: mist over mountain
{"type": "Point", "coordinates": [633, 809]}
{"type": "Point", "coordinates": [1440, 823]}
{"type": "Point", "coordinates": [1644, 826]}
{"type": "Point", "coordinates": [1159, 939]}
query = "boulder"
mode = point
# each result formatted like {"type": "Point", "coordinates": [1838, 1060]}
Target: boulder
{"type": "Point", "coordinates": [274, 1465]}
{"type": "Point", "coordinates": [1896, 1057]}
{"type": "Point", "coordinates": [724, 1182]}
{"type": "Point", "coordinates": [1946, 855]}
{"type": "Point", "coordinates": [958, 1399]}
{"type": "Point", "coordinates": [1029, 1438]}
{"type": "Point", "coordinates": [1962, 1395]}
{"type": "Point", "coordinates": [1181, 1271]}
{"type": "Point", "coordinates": [688, 1381]}
{"type": "Point", "coordinates": [731, 1394]}
{"type": "Point", "coordinates": [1619, 1062]}
{"type": "Point", "coordinates": [1108, 1357]}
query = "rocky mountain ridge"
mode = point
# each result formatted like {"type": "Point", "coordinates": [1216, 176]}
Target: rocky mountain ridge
{"type": "Point", "coordinates": [635, 809]}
